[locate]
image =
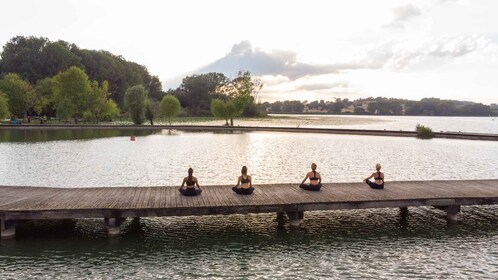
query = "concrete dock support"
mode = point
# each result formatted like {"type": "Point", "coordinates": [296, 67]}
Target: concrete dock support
{"type": "Point", "coordinates": [452, 212]}
{"type": "Point", "coordinates": [295, 218]}
{"type": "Point", "coordinates": [113, 226]}
{"type": "Point", "coordinates": [8, 229]}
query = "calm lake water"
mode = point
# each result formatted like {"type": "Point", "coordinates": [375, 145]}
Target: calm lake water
{"type": "Point", "coordinates": [336, 244]}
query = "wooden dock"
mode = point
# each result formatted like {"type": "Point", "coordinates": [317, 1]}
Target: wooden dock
{"type": "Point", "coordinates": [115, 204]}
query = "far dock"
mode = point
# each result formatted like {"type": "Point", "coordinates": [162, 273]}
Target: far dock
{"type": "Point", "coordinates": [115, 204]}
{"type": "Point", "coordinates": [197, 128]}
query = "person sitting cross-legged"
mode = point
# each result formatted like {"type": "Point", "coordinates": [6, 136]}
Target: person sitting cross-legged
{"type": "Point", "coordinates": [191, 183]}
{"type": "Point", "coordinates": [245, 183]}
{"type": "Point", "coordinates": [315, 180]}
{"type": "Point", "coordinates": [378, 177]}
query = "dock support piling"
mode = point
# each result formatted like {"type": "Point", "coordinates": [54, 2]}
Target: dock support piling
{"type": "Point", "coordinates": [8, 229]}
{"type": "Point", "coordinates": [113, 226]}
{"type": "Point", "coordinates": [403, 212]}
{"type": "Point", "coordinates": [295, 218]}
{"type": "Point", "coordinates": [280, 218]}
{"type": "Point", "coordinates": [452, 212]}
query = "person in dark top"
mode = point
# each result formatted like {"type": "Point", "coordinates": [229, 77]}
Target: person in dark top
{"type": "Point", "coordinates": [315, 180]}
{"type": "Point", "coordinates": [245, 183]}
{"type": "Point", "coordinates": [378, 177]}
{"type": "Point", "coordinates": [191, 182]}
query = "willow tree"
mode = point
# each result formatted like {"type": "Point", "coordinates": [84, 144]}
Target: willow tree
{"type": "Point", "coordinates": [135, 103]}
{"type": "Point", "coordinates": [224, 109]}
{"type": "Point", "coordinates": [170, 107]}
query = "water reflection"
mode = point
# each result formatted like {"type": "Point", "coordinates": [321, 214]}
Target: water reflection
{"type": "Point", "coordinates": [43, 135]}
{"type": "Point", "coordinates": [162, 159]}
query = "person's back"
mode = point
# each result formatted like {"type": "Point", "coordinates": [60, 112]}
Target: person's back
{"type": "Point", "coordinates": [378, 176]}
{"type": "Point", "coordinates": [190, 181]}
{"type": "Point", "coordinates": [315, 180]}
{"type": "Point", "coordinates": [245, 183]}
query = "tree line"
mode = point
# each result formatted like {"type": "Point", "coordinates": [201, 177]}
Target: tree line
{"type": "Point", "coordinates": [59, 79]}
{"type": "Point", "coordinates": [384, 106]}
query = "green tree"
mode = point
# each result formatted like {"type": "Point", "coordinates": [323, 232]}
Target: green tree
{"type": "Point", "coordinates": [35, 58]}
{"type": "Point", "coordinates": [243, 92]}
{"type": "Point", "coordinates": [72, 90]}
{"type": "Point", "coordinates": [43, 93]}
{"type": "Point", "coordinates": [4, 106]}
{"type": "Point", "coordinates": [110, 110]}
{"type": "Point", "coordinates": [170, 107]}
{"type": "Point", "coordinates": [224, 109]}
{"type": "Point", "coordinates": [149, 113]}
{"type": "Point", "coordinates": [19, 93]}
{"type": "Point", "coordinates": [196, 92]}
{"type": "Point", "coordinates": [135, 103]}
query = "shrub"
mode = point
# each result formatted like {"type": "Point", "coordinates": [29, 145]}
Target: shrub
{"type": "Point", "coordinates": [424, 132]}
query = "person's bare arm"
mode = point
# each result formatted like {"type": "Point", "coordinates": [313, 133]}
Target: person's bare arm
{"type": "Point", "coordinates": [250, 181]}
{"type": "Point", "coordinates": [197, 183]}
{"type": "Point", "coordinates": [238, 181]}
{"type": "Point", "coordinates": [319, 178]}
{"type": "Point", "coordinates": [305, 178]}
{"type": "Point", "coordinates": [183, 183]}
{"type": "Point", "coordinates": [373, 174]}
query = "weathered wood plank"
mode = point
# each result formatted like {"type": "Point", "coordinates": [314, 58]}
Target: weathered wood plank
{"type": "Point", "coordinates": [34, 201]}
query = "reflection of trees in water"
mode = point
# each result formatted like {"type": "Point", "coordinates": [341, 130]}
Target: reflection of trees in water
{"type": "Point", "coordinates": [42, 135]}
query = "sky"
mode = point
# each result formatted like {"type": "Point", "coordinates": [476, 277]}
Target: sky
{"type": "Point", "coordinates": [301, 50]}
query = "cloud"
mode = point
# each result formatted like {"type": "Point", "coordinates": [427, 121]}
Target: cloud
{"type": "Point", "coordinates": [444, 48]}
{"type": "Point", "coordinates": [322, 86]}
{"type": "Point", "coordinates": [285, 67]}
{"type": "Point", "coordinates": [278, 62]}
{"type": "Point", "coordinates": [402, 14]}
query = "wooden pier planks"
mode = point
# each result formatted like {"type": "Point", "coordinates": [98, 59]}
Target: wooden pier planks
{"type": "Point", "coordinates": [222, 198]}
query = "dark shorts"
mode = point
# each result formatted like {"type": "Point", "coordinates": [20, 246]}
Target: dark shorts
{"type": "Point", "coordinates": [310, 187]}
{"type": "Point", "coordinates": [242, 190]}
{"type": "Point", "coordinates": [373, 185]}
{"type": "Point", "coordinates": [190, 191]}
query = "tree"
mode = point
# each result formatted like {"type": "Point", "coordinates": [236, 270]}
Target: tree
{"type": "Point", "coordinates": [110, 110]}
{"type": "Point", "coordinates": [135, 103]}
{"type": "Point", "coordinates": [170, 107]}
{"type": "Point", "coordinates": [4, 106]}
{"type": "Point", "coordinates": [149, 113]}
{"type": "Point", "coordinates": [43, 92]}
{"type": "Point", "coordinates": [71, 93]}
{"type": "Point", "coordinates": [35, 58]}
{"type": "Point", "coordinates": [224, 109]}
{"type": "Point", "coordinates": [197, 91]}
{"type": "Point", "coordinates": [100, 107]}
{"type": "Point", "coordinates": [19, 93]}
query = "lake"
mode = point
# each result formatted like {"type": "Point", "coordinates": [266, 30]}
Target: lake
{"type": "Point", "coordinates": [373, 243]}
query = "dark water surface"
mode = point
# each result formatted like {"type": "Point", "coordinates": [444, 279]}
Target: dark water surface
{"type": "Point", "coordinates": [355, 244]}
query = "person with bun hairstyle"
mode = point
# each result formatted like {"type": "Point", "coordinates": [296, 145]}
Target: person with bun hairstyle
{"type": "Point", "coordinates": [191, 182]}
{"type": "Point", "coordinates": [245, 183]}
{"type": "Point", "coordinates": [378, 177]}
{"type": "Point", "coordinates": [315, 180]}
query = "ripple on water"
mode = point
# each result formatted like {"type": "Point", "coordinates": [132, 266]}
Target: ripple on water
{"type": "Point", "coordinates": [329, 244]}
